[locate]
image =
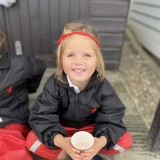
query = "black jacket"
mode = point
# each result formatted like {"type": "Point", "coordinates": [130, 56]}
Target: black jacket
{"type": "Point", "coordinates": [58, 105]}
{"type": "Point", "coordinates": [19, 75]}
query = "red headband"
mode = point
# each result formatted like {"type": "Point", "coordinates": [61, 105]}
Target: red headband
{"type": "Point", "coordinates": [80, 33]}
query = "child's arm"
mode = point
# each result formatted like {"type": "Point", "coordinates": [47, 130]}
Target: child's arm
{"type": "Point", "coordinates": [44, 115]}
{"type": "Point", "coordinates": [109, 116]}
{"type": "Point", "coordinates": [34, 70]}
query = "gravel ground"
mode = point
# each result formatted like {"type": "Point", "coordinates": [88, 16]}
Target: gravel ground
{"type": "Point", "coordinates": [141, 73]}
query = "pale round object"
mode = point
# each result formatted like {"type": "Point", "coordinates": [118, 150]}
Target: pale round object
{"type": "Point", "coordinates": [82, 140]}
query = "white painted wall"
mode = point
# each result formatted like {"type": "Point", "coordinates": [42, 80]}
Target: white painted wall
{"type": "Point", "coordinates": [144, 20]}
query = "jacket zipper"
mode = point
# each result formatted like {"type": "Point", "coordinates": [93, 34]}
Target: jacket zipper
{"type": "Point", "coordinates": [76, 100]}
{"type": "Point", "coordinates": [77, 97]}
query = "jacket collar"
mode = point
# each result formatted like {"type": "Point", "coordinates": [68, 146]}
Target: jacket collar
{"type": "Point", "coordinates": [4, 60]}
{"type": "Point", "coordinates": [76, 89]}
{"type": "Point", "coordinates": [93, 81]}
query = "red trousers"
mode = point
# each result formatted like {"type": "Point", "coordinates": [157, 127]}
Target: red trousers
{"type": "Point", "coordinates": [38, 148]}
{"type": "Point", "coordinates": [12, 143]}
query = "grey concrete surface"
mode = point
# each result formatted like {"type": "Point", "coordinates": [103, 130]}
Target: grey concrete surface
{"type": "Point", "coordinates": [135, 119]}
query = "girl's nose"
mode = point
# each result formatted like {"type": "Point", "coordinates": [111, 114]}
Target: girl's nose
{"type": "Point", "coordinates": [78, 60]}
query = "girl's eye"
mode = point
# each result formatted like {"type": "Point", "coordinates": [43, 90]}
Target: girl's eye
{"type": "Point", "coordinates": [87, 55]}
{"type": "Point", "coordinates": [70, 55]}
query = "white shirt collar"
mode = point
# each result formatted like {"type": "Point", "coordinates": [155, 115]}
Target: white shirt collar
{"type": "Point", "coordinates": [76, 89]}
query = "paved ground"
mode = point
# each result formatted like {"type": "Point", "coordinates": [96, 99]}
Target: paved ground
{"type": "Point", "coordinates": [134, 119]}
{"type": "Point", "coordinates": [142, 76]}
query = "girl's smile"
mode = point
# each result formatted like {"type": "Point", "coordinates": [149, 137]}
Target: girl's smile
{"type": "Point", "coordinates": [77, 70]}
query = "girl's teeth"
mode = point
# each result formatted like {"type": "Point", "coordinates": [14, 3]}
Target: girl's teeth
{"type": "Point", "coordinates": [78, 70]}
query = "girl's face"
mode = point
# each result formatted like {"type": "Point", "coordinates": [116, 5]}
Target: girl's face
{"type": "Point", "coordinates": [79, 60]}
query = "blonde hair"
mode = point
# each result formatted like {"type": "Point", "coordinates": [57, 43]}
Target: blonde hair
{"type": "Point", "coordinates": [79, 27]}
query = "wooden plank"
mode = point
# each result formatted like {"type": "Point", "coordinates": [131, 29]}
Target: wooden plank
{"type": "Point", "coordinates": [111, 54]}
{"type": "Point", "coordinates": [14, 22]}
{"type": "Point", "coordinates": [148, 10]}
{"type": "Point", "coordinates": [109, 8]}
{"type": "Point", "coordinates": [74, 10]}
{"type": "Point", "coordinates": [44, 13]}
{"type": "Point", "coordinates": [85, 9]}
{"type": "Point", "coordinates": [54, 23]}
{"type": "Point", "coordinates": [146, 20]}
{"type": "Point", "coordinates": [141, 29]}
{"type": "Point", "coordinates": [111, 40]}
{"type": "Point", "coordinates": [151, 46]}
{"type": "Point", "coordinates": [35, 26]}
{"type": "Point", "coordinates": [8, 32]}
{"type": "Point", "coordinates": [64, 14]}
{"type": "Point", "coordinates": [155, 2]}
{"type": "Point", "coordinates": [116, 25]}
{"type": "Point", "coordinates": [24, 21]}
{"type": "Point", "coordinates": [111, 65]}
{"type": "Point", "coordinates": [12, 27]}
{"type": "Point", "coordinates": [149, 43]}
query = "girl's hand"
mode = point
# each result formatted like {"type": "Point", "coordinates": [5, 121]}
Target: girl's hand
{"type": "Point", "coordinates": [70, 150]}
{"type": "Point", "coordinates": [65, 144]}
{"type": "Point", "coordinates": [99, 143]}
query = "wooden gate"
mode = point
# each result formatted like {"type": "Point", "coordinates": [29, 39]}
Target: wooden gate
{"type": "Point", "coordinates": [33, 26]}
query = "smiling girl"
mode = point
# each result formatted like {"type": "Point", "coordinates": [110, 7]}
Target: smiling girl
{"type": "Point", "coordinates": [78, 97]}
